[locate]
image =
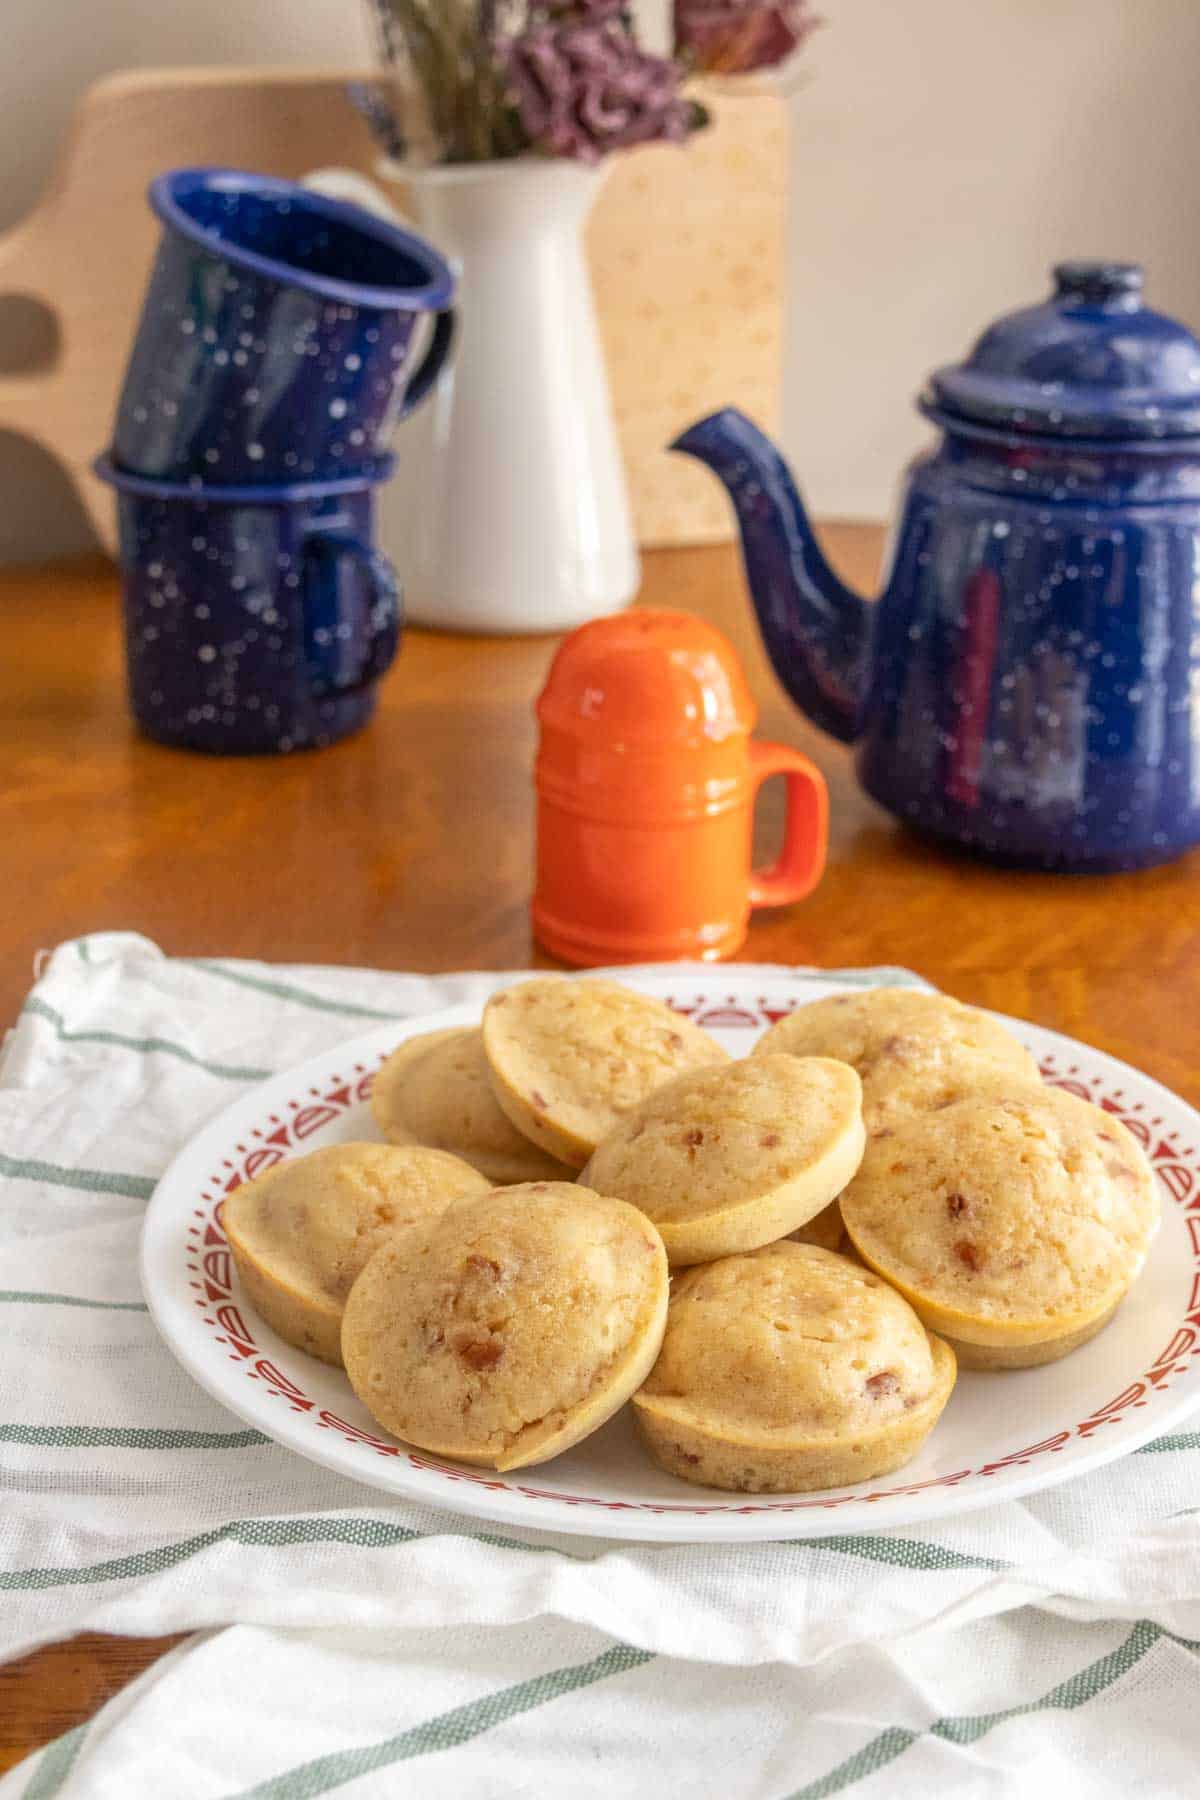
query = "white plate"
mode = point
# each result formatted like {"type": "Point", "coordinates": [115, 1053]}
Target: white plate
{"type": "Point", "coordinates": [1000, 1436]}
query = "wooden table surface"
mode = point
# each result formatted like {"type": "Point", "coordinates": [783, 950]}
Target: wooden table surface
{"type": "Point", "coordinates": [409, 847]}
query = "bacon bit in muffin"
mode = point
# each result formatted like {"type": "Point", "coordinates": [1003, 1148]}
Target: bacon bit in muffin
{"type": "Point", "coordinates": [769, 1139]}
{"type": "Point", "coordinates": [499, 1000]}
{"type": "Point", "coordinates": [483, 1263]}
{"type": "Point", "coordinates": [884, 1383]}
{"type": "Point", "coordinates": [885, 1131]}
{"type": "Point", "coordinates": [956, 1205]}
{"type": "Point", "coordinates": [899, 1047]}
{"type": "Point", "coordinates": [685, 1455]}
{"type": "Point", "coordinates": [676, 1043]}
{"type": "Point", "coordinates": [539, 1100]}
{"type": "Point", "coordinates": [968, 1254]}
{"type": "Point", "coordinates": [479, 1353]}
{"type": "Point", "coordinates": [694, 1138]}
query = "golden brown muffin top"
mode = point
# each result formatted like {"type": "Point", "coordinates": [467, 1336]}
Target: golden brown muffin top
{"type": "Point", "coordinates": [791, 1342]}
{"type": "Point", "coordinates": [314, 1221]}
{"type": "Point", "coordinates": [503, 1317]}
{"type": "Point", "coordinates": [579, 1054]}
{"type": "Point", "coordinates": [435, 1089]}
{"type": "Point", "coordinates": [718, 1138]}
{"type": "Point", "coordinates": [915, 1051]}
{"type": "Point", "coordinates": [1031, 1207]}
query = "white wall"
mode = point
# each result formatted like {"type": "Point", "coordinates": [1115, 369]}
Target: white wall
{"type": "Point", "coordinates": [52, 51]}
{"type": "Point", "coordinates": [945, 153]}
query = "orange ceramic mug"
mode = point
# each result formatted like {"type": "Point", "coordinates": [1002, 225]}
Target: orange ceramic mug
{"type": "Point", "coordinates": [646, 780]}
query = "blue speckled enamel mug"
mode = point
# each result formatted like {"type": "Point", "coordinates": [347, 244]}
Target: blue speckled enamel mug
{"type": "Point", "coordinates": [256, 619]}
{"type": "Point", "coordinates": [278, 335]}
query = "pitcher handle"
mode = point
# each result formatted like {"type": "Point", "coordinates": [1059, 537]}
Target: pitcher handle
{"type": "Point", "coordinates": [801, 860]}
{"type": "Point", "coordinates": [326, 553]}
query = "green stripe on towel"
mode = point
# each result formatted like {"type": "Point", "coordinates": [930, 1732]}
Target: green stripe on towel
{"type": "Point", "coordinates": [286, 990]}
{"type": "Point", "coordinates": [88, 1181]}
{"type": "Point", "coordinates": [273, 1534]}
{"type": "Point", "coordinates": [902, 1553]}
{"type": "Point", "coordinates": [381, 1534]}
{"type": "Point", "coordinates": [967, 1728]}
{"type": "Point", "coordinates": [144, 1045]}
{"type": "Point", "coordinates": [122, 1437]}
{"type": "Point", "coordinates": [447, 1730]}
{"type": "Point", "coordinates": [28, 1297]}
{"type": "Point", "coordinates": [55, 1764]}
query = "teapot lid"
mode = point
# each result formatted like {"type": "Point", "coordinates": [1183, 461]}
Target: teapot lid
{"type": "Point", "coordinates": [1090, 362]}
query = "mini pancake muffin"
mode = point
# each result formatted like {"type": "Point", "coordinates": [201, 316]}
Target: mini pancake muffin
{"type": "Point", "coordinates": [727, 1159]}
{"type": "Point", "coordinates": [789, 1369]}
{"type": "Point", "coordinates": [569, 1058]}
{"type": "Point", "coordinates": [302, 1232]}
{"type": "Point", "coordinates": [510, 1327]}
{"type": "Point", "coordinates": [914, 1051]}
{"type": "Point", "coordinates": [1015, 1225]}
{"type": "Point", "coordinates": [435, 1089]}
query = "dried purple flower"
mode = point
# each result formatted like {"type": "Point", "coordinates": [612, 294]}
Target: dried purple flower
{"type": "Point", "coordinates": [583, 89]}
{"type": "Point", "coordinates": [591, 12]}
{"type": "Point", "coordinates": [735, 37]}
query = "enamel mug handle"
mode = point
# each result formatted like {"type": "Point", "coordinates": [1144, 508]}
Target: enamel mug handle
{"type": "Point", "coordinates": [430, 366]}
{"type": "Point", "coordinates": [806, 826]}
{"type": "Point", "coordinates": [328, 553]}
{"type": "Point", "coordinates": [348, 184]}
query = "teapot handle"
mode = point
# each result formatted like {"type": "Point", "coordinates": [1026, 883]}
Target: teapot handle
{"type": "Point", "coordinates": [801, 861]}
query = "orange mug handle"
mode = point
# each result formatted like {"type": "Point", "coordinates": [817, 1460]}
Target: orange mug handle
{"type": "Point", "coordinates": [806, 828]}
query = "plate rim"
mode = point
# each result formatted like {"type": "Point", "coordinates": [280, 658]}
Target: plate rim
{"type": "Point", "coordinates": [507, 1502]}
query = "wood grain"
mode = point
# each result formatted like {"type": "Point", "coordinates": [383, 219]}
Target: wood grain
{"type": "Point", "coordinates": [55, 1689]}
{"type": "Point", "coordinates": [410, 847]}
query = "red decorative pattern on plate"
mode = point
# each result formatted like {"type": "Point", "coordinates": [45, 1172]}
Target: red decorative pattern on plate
{"type": "Point", "coordinates": [211, 1276]}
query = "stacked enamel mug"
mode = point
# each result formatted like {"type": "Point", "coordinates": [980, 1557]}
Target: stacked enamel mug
{"type": "Point", "coordinates": [279, 344]}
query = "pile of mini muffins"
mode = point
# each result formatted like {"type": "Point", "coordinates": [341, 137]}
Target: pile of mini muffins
{"type": "Point", "coordinates": [780, 1261]}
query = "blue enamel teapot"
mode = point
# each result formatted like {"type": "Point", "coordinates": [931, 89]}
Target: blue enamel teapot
{"type": "Point", "coordinates": [1028, 682]}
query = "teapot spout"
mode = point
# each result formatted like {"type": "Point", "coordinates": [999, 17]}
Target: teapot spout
{"type": "Point", "coordinates": [816, 630]}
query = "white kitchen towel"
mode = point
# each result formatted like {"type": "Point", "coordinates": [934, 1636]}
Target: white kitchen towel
{"type": "Point", "coordinates": [348, 1638]}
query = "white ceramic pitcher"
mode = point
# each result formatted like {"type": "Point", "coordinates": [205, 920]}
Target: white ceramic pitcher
{"type": "Point", "coordinates": [508, 511]}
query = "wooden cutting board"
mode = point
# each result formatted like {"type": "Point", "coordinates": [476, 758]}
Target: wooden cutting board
{"type": "Point", "coordinates": [686, 249]}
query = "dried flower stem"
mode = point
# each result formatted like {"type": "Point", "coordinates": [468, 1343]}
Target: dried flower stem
{"type": "Point", "coordinates": [450, 84]}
